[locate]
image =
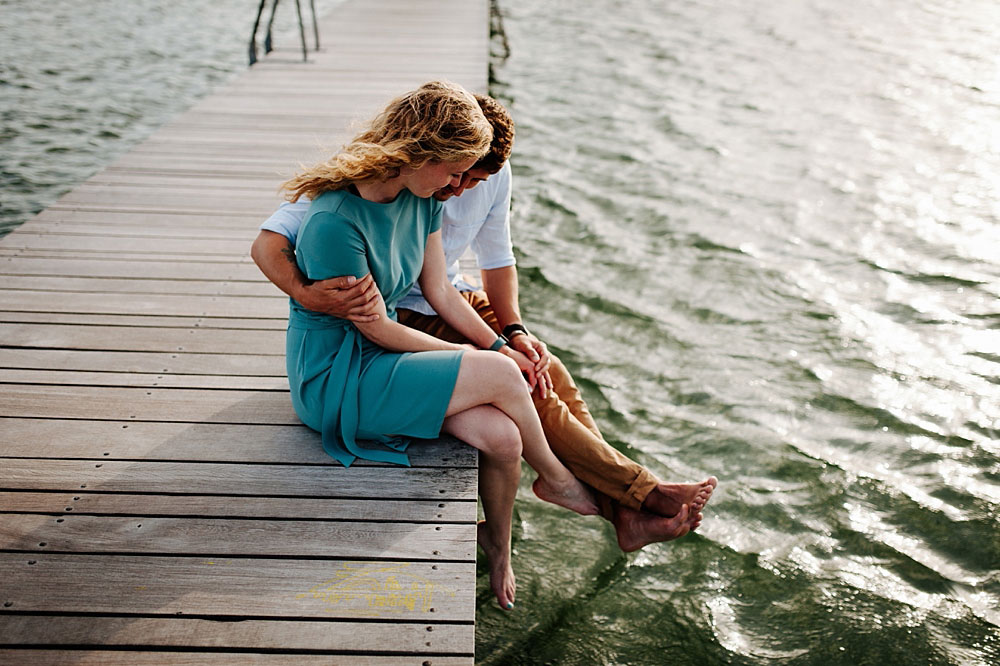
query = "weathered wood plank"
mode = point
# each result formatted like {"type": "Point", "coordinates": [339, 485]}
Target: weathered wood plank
{"type": "Point", "coordinates": [180, 247]}
{"type": "Point", "coordinates": [251, 201]}
{"type": "Point", "coordinates": [231, 537]}
{"type": "Point", "coordinates": [156, 368]}
{"type": "Point", "coordinates": [194, 233]}
{"type": "Point", "coordinates": [145, 404]}
{"type": "Point", "coordinates": [146, 658]}
{"type": "Point", "coordinates": [197, 442]}
{"type": "Point", "coordinates": [164, 219]}
{"type": "Point", "coordinates": [196, 305]}
{"type": "Point", "coordinates": [237, 479]}
{"type": "Point", "coordinates": [181, 287]}
{"type": "Point", "coordinates": [340, 637]}
{"type": "Point", "coordinates": [235, 587]}
{"type": "Point", "coordinates": [202, 340]}
{"type": "Point", "coordinates": [149, 260]}
{"type": "Point", "coordinates": [120, 254]}
{"type": "Point", "coordinates": [291, 508]}
{"type": "Point", "coordinates": [151, 269]}
{"type": "Point", "coordinates": [139, 380]}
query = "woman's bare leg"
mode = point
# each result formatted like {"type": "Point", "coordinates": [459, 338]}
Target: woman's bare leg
{"type": "Point", "coordinates": [499, 442]}
{"type": "Point", "coordinates": [489, 378]}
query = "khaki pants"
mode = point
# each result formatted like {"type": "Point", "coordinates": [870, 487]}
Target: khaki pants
{"type": "Point", "coordinates": [569, 427]}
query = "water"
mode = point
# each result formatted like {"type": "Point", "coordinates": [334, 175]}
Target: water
{"type": "Point", "coordinates": [763, 236]}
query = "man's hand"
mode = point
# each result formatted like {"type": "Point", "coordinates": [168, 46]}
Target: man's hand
{"type": "Point", "coordinates": [343, 297]}
{"type": "Point", "coordinates": [526, 366]}
{"type": "Point", "coordinates": [536, 352]}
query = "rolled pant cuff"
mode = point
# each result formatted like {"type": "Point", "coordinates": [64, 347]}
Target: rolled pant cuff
{"type": "Point", "coordinates": [641, 487]}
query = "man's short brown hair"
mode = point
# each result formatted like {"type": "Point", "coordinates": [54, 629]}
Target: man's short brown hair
{"type": "Point", "coordinates": [503, 135]}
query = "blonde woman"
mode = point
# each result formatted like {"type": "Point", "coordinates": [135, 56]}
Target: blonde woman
{"type": "Point", "coordinates": [372, 213]}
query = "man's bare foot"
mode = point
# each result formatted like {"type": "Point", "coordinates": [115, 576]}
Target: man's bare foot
{"type": "Point", "coordinates": [571, 495]}
{"type": "Point", "coordinates": [501, 572]}
{"type": "Point", "coordinates": [666, 499]}
{"type": "Point", "coordinates": [636, 529]}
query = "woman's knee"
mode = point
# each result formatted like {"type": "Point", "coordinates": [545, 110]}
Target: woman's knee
{"type": "Point", "coordinates": [503, 440]}
{"type": "Point", "coordinates": [498, 371]}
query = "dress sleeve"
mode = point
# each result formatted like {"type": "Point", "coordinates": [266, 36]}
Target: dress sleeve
{"type": "Point", "coordinates": [436, 209]}
{"type": "Point", "coordinates": [330, 245]}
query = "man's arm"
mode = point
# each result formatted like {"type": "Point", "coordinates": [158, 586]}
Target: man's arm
{"type": "Point", "coordinates": [456, 311]}
{"type": "Point", "coordinates": [500, 285]}
{"type": "Point", "coordinates": [343, 297]}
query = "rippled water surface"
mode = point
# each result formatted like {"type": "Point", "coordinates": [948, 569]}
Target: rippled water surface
{"type": "Point", "coordinates": [765, 237]}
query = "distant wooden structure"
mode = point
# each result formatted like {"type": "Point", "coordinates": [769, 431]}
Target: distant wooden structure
{"type": "Point", "coordinates": [159, 501]}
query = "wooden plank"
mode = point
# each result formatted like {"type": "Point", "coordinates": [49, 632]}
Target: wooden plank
{"type": "Point", "coordinates": [144, 321]}
{"type": "Point", "coordinates": [180, 247]}
{"type": "Point", "coordinates": [110, 285]}
{"type": "Point", "coordinates": [247, 202]}
{"type": "Point", "coordinates": [120, 254]}
{"type": "Point", "coordinates": [200, 442]}
{"type": "Point", "coordinates": [146, 404]}
{"type": "Point", "coordinates": [150, 632]}
{"type": "Point", "coordinates": [112, 338]}
{"type": "Point", "coordinates": [152, 269]}
{"type": "Point", "coordinates": [166, 219]}
{"type": "Point", "coordinates": [193, 232]}
{"type": "Point", "coordinates": [139, 380]}
{"type": "Point", "coordinates": [237, 587]}
{"type": "Point", "coordinates": [237, 479]}
{"type": "Point", "coordinates": [230, 537]}
{"type": "Point", "coordinates": [161, 366]}
{"type": "Point", "coordinates": [145, 658]}
{"type": "Point", "coordinates": [148, 260]}
{"type": "Point", "coordinates": [212, 506]}
{"type": "Point", "coordinates": [71, 218]}
{"type": "Point", "coordinates": [197, 305]}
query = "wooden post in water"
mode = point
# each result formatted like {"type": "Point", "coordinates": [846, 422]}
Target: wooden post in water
{"type": "Point", "coordinates": [162, 504]}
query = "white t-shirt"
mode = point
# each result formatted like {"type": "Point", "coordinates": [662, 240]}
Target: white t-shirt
{"type": "Point", "coordinates": [479, 218]}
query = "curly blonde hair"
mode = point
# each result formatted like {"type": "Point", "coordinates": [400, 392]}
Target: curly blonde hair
{"type": "Point", "coordinates": [440, 121]}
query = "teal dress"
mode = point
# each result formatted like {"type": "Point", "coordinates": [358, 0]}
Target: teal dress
{"type": "Point", "coordinates": [366, 401]}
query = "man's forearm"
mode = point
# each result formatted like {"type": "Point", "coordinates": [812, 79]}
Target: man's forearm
{"type": "Point", "coordinates": [500, 285]}
{"type": "Point", "coordinates": [275, 257]}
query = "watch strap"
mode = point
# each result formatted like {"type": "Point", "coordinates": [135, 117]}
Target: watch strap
{"type": "Point", "coordinates": [510, 330]}
{"type": "Point", "coordinates": [498, 343]}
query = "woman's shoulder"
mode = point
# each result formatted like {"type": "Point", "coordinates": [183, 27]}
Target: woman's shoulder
{"type": "Point", "coordinates": [329, 202]}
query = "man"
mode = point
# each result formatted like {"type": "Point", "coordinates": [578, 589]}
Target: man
{"type": "Point", "coordinates": [476, 214]}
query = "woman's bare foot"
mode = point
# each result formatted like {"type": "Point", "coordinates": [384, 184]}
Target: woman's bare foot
{"type": "Point", "coordinates": [666, 499]}
{"type": "Point", "coordinates": [636, 529]}
{"type": "Point", "coordinates": [501, 572]}
{"type": "Point", "coordinates": [571, 495]}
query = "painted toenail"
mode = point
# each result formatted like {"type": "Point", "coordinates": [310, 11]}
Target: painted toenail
{"type": "Point", "coordinates": [510, 605]}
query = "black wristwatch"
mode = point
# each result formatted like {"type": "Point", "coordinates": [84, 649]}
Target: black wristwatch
{"type": "Point", "coordinates": [510, 330]}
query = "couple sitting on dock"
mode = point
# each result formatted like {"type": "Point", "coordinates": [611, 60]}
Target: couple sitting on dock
{"type": "Point", "coordinates": [427, 179]}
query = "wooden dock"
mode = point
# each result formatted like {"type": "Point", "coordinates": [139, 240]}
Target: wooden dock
{"type": "Point", "coordinates": [159, 501]}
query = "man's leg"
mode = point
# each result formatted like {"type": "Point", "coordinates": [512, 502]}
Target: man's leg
{"type": "Point", "coordinates": [568, 425]}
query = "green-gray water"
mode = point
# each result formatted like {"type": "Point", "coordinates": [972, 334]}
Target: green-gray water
{"type": "Point", "coordinates": [764, 237]}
